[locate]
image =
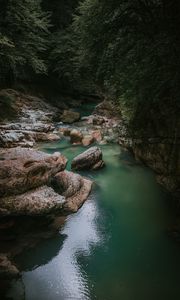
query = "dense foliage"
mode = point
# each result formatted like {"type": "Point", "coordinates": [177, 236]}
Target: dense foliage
{"type": "Point", "coordinates": [62, 50]}
{"type": "Point", "coordinates": [23, 38]}
{"type": "Point", "coordinates": [130, 49]}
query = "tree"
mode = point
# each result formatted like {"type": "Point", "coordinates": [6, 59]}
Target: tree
{"type": "Point", "coordinates": [131, 47]}
{"type": "Point", "coordinates": [63, 44]}
{"type": "Point", "coordinates": [23, 38]}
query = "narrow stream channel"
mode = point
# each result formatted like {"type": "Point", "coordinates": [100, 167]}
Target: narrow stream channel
{"type": "Point", "coordinates": [115, 248]}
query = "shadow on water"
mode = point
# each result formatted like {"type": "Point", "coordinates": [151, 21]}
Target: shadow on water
{"type": "Point", "coordinates": [59, 273]}
{"type": "Point", "coordinates": [114, 248]}
{"type": "Point", "coordinates": [41, 254]}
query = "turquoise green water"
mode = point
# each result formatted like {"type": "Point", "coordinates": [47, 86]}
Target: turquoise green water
{"type": "Point", "coordinates": [116, 246]}
{"type": "Point", "coordinates": [86, 109]}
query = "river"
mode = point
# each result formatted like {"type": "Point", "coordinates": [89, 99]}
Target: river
{"type": "Point", "coordinates": [116, 247]}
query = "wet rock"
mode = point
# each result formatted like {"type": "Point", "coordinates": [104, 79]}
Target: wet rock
{"type": "Point", "coordinates": [52, 137]}
{"type": "Point", "coordinates": [90, 159]}
{"type": "Point", "coordinates": [74, 188]}
{"type": "Point", "coordinates": [97, 135]}
{"type": "Point", "coordinates": [22, 169]}
{"type": "Point", "coordinates": [42, 201]}
{"type": "Point", "coordinates": [70, 117]}
{"type": "Point", "coordinates": [46, 137]}
{"type": "Point", "coordinates": [76, 136]}
{"type": "Point", "coordinates": [65, 131]}
{"type": "Point", "coordinates": [88, 140]}
{"type": "Point", "coordinates": [7, 269]}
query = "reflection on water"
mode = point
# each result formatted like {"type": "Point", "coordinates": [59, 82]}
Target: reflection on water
{"type": "Point", "coordinates": [63, 276]}
{"type": "Point", "coordinates": [114, 248]}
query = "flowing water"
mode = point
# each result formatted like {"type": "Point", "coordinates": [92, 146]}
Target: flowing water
{"type": "Point", "coordinates": [115, 247]}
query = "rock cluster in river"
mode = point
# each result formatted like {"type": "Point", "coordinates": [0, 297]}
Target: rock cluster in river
{"type": "Point", "coordinates": [32, 123]}
{"type": "Point", "coordinates": [35, 184]}
{"type": "Point", "coordinates": [26, 176]}
{"type": "Point", "coordinates": [92, 129]}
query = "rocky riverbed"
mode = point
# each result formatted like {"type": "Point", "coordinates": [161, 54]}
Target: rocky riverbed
{"type": "Point", "coordinates": [37, 190]}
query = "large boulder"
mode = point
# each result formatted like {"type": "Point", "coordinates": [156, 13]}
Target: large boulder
{"type": "Point", "coordinates": [39, 202]}
{"type": "Point", "coordinates": [90, 159]}
{"type": "Point", "coordinates": [74, 188]}
{"type": "Point", "coordinates": [70, 117]}
{"type": "Point", "coordinates": [22, 169]}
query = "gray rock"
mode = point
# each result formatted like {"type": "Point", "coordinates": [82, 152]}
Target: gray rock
{"type": "Point", "coordinates": [42, 201]}
{"type": "Point", "coordinates": [74, 188]}
{"type": "Point", "coordinates": [90, 159]}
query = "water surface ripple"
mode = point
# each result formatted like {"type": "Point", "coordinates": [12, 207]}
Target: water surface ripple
{"type": "Point", "coordinates": [115, 248]}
